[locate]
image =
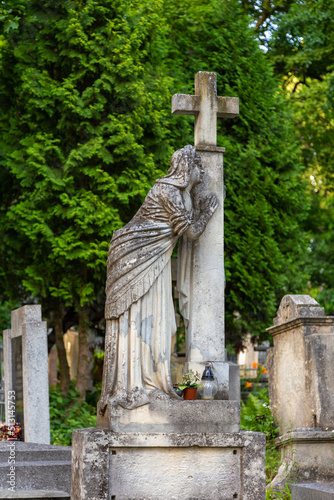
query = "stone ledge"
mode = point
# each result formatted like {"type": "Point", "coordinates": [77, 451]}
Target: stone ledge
{"type": "Point", "coordinates": [38, 463]}
{"type": "Point", "coordinates": [34, 495]}
{"type": "Point", "coordinates": [210, 149]}
{"type": "Point", "coordinates": [296, 322]}
{"type": "Point", "coordinates": [38, 468]}
{"type": "Point", "coordinates": [174, 416]}
{"type": "Point", "coordinates": [307, 455]}
{"type": "Point", "coordinates": [33, 451]}
{"type": "Point", "coordinates": [313, 491]}
{"type": "Point", "coordinates": [305, 436]}
{"type": "Point", "coordinates": [185, 440]}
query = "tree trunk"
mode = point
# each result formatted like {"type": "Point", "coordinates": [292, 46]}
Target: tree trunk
{"type": "Point", "coordinates": [83, 364]}
{"type": "Point", "coordinates": [63, 364]}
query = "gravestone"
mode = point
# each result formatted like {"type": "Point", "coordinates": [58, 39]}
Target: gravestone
{"type": "Point", "coordinates": [165, 447]}
{"type": "Point", "coordinates": [301, 374]}
{"type": "Point", "coordinates": [26, 373]}
{"type": "Point", "coordinates": [2, 386]}
{"type": "Point", "coordinates": [17, 376]}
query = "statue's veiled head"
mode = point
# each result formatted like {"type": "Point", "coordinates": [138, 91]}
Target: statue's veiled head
{"type": "Point", "coordinates": [179, 172]}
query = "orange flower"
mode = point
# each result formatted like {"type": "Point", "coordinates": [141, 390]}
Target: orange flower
{"type": "Point", "coordinates": [255, 365]}
{"type": "Point", "coordinates": [263, 370]}
{"type": "Point", "coordinates": [248, 385]}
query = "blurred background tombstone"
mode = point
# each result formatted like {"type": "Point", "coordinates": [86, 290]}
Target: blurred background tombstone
{"type": "Point", "coordinates": [301, 374]}
{"type": "Point", "coordinates": [26, 372]}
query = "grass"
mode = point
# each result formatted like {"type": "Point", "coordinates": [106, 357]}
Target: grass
{"type": "Point", "coordinates": [68, 413]}
{"type": "Point", "coordinates": [256, 416]}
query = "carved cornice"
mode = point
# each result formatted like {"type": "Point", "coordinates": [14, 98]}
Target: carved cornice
{"type": "Point", "coordinates": [298, 322]}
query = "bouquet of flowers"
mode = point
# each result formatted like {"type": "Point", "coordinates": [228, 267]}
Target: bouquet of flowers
{"type": "Point", "coordinates": [10, 432]}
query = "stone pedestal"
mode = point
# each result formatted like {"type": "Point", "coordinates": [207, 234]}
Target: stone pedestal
{"type": "Point", "coordinates": [108, 465]}
{"type": "Point", "coordinates": [312, 491]}
{"type": "Point", "coordinates": [307, 455]}
{"type": "Point", "coordinates": [301, 374]}
{"type": "Point", "coordinates": [173, 416]}
{"type": "Point", "coordinates": [26, 373]}
{"type": "Point", "coordinates": [169, 449]}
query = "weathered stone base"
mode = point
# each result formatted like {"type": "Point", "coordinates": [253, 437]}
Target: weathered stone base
{"type": "Point", "coordinates": [174, 416]}
{"type": "Point", "coordinates": [37, 467]}
{"type": "Point", "coordinates": [120, 466]}
{"type": "Point", "coordinates": [307, 455]}
{"type": "Point", "coordinates": [312, 491]}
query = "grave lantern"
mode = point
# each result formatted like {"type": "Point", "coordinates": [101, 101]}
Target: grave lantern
{"type": "Point", "coordinates": [209, 386]}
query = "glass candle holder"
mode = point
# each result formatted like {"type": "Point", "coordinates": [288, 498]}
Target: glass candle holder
{"type": "Point", "coordinates": [209, 386]}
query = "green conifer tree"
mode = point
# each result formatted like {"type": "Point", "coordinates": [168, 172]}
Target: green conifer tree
{"type": "Point", "coordinates": [265, 194]}
{"type": "Point", "coordinates": [83, 105]}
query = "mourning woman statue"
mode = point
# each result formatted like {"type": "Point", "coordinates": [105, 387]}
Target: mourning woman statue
{"type": "Point", "coordinates": [139, 306]}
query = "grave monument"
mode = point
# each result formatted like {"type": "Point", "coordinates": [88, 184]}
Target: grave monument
{"type": "Point", "coordinates": [40, 470]}
{"type": "Point", "coordinates": [149, 442]}
{"type": "Point", "coordinates": [26, 373]}
{"type": "Point", "coordinates": [301, 374]}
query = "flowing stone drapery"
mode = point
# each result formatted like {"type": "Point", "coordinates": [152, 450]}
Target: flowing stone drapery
{"type": "Point", "coordinates": [138, 347]}
{"type": "Point", "coordinates": [139, 306]}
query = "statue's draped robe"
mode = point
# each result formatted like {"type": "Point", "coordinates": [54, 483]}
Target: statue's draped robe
{"type": "Point", "coordinates": [139, 306]}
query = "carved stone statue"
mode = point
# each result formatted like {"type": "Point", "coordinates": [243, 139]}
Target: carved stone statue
{"type": "Point", "coordinates": [139, 307]}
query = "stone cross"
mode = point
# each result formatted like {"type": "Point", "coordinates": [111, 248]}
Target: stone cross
{"type": "Point", "coordinates": [206, 106]}
{"type": "Point", "coordinates": [205, 336]}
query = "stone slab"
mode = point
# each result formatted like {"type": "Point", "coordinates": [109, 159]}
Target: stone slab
{"type": "Point", "coordinates": [163, 466]}
{"type": "Point", "coordinates": [320, 367]}
{"type": "Point", "coordinates": [312, 491]}
{"type": "Point", "coordinates": [28, 452]}
{"type": "Point", "coordinates": [38, 467]}
{"type": "Point", "coordinates": [38, 475]}
{"type": "Point", "coordinates": [173, 416]}
{"type": "Point", "coordinates": [208, 473]}
{"type": "Point", "coordinates": [34, 495]}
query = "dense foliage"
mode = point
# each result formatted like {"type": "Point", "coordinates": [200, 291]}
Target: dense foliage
{"type": "Point", "coordinates": [69, 413]}
{"type": "Point", "coordinates": [301, 49]}
{"type": "Point", "coordinates": [81, 110]}
{"type": "Point", "coordinates": [256, 416]}
{"type": "Point", "coordinates": [85, 128]}
{"type": "Point", "coordinates": [265, 196]}
{"type": "Point", "coordinates": [82, 106]}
